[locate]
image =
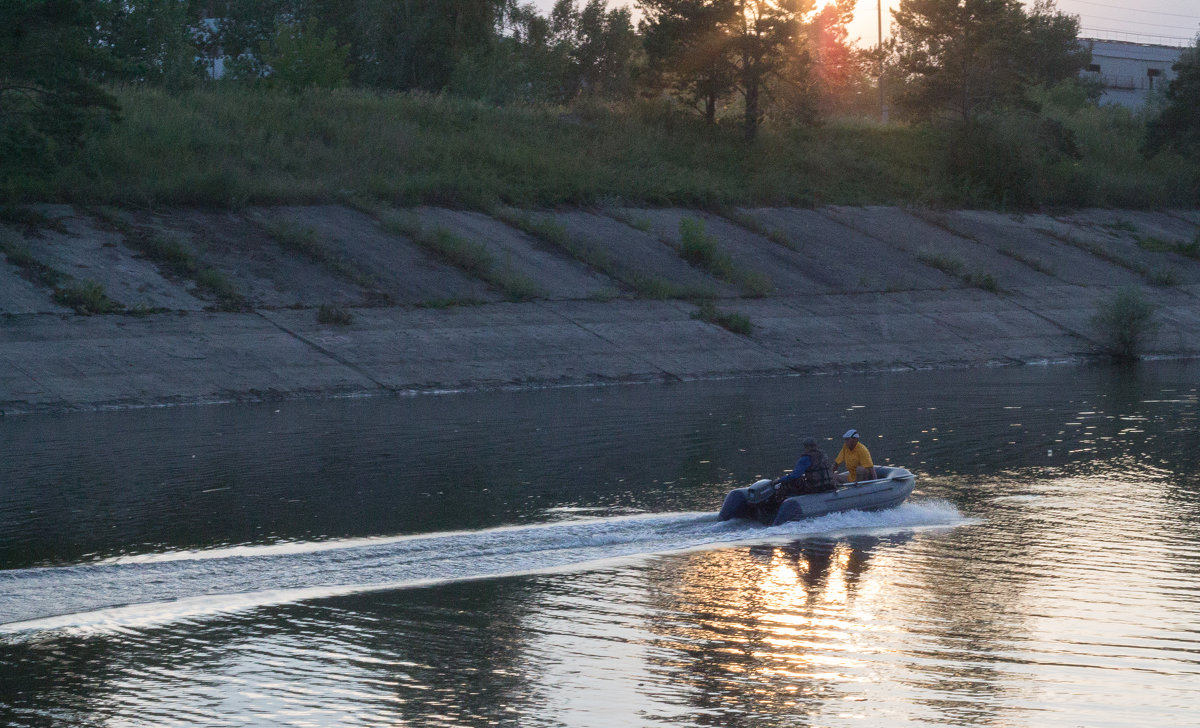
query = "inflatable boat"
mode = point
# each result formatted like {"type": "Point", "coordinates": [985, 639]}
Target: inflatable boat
{"type": "Point", "coordinates": [887, 491]}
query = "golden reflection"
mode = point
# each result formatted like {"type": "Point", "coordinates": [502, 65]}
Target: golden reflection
{"type": "Point", "coordinates": [796, 617]}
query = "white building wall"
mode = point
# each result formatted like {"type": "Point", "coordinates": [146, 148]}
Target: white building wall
{"type": "Point", "coordinates": [1129, 71]}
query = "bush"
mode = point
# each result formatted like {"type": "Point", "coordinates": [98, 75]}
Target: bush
{"type": "Point", "coordinates": [1124, 323]}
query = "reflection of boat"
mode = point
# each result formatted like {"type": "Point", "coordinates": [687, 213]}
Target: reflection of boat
{"type": "Point", "coordinates": [887, 491]}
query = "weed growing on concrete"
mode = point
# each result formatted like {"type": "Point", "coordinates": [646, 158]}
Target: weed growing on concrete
{"type": "Point", "coordinates": [1100, 252]}
{"type": "Point", "coordinates": [1124, 323]}
{"type": "Point", "coordinates": [986, 281]}
{"type": "Point", "coordinates": [169, 253]}
{"type": "Point", "coordinates": [735, 322]}
{"type": "Point", "coordinates": [466, 255]}
{"type": "Point", "coordinates": [218, 284]}
{"type": "Point", "coordinates": [303, 239]}
{"type": "Point", "coordinates": [1026, 261]}
{"type": "Point", "coordinates": [31, 268]}
{"type": "Point", "coordinates": [701, 250]}
{"type": "Point", "coordinates": [438, 303]}
{"type": "Point", "coordinates": [657, 288]}
{"type": "Point", "coordinates": [29, 219]}
{"type": "Point", "coordinates": [331, 313]}
{"type": "Point", "coordinates": [1164, 277]}
{"type": "Point", "coordinates": [86, 297]}
{"type": "Point", "coordinates": [944, 263]}
{"type": "Point", "coordinates": [1123, 225]}
{"type": "Point", "coordinates": [556, 234]}
{"type": "Point", "coordinates": [637, 222]}
{"type": "Point", "coordinates": [956, 268]}
{"type": "Point", "coordinates": [751, 223]}
{"type": "Point", "coordinates": [1157, 245]}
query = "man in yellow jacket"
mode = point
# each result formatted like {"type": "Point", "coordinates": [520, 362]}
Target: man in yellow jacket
{"type": "Point", "coordinates": [856, 458]}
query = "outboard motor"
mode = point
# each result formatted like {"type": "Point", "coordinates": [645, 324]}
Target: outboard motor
{"type": "Point", "coordinates": [739, 501]}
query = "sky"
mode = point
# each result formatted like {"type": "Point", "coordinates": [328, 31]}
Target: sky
{"type": "Point", "coordinates": [1160, 22]}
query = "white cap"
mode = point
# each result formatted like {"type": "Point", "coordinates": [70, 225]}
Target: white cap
{"type": "Point", "coordinates": [849, 434]}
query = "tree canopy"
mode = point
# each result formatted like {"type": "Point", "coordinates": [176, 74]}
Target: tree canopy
{"type": "Point", "coordinates": [1178, 126]}
{"type": "Point", "coordinates": [49, 94]}
{"type": "Point", "coordinates": [964, 56]}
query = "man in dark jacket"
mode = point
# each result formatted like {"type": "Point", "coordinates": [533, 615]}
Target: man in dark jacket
{"type": "Point", "coordinates": [813, 473]}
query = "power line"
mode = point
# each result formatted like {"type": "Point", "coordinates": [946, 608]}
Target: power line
{"type": "Point", "coordinates": [1173, 26]}
{"type": "Point", "coordinates": [1135, 10]}
{"type": "Point", "coordinates": [1181, 41]}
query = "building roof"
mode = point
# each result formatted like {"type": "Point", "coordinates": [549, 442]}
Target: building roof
{"type": "Point", "coordinates": [1132, 51]}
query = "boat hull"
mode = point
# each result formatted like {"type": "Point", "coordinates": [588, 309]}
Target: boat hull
{"type": "Point", "coordinates": [889, 490]}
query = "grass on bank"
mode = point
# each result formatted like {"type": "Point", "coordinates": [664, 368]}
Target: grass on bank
{"type": "Point", "coordinates": [227, 145]}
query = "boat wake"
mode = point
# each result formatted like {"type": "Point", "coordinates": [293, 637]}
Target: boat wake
{"type": "Point", "coordinates": [146, 590]}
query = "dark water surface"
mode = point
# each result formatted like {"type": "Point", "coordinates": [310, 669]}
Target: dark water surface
{"type": "Point", "coordinates": [550, 558]}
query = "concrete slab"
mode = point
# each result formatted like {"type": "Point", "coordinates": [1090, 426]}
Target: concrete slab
{"type": "Point", "coordinates": [493, 345]}
{"type": "Point", "coordinates": [101, 361]}
{"type": "Point", "coordinates": [787, 270]}
{"type": "Point", "coordinates": [870, 339]}
{"type": "Point", "coordinates": [400, 267]}
{"type": "Point", "coordinates": [556, 275]}
{"type": "Point", "coordinates": [1005, 232]}
{"type": "Point", "coordinates": [1189, 216]}
{"type": "Point", "coordinates": [1120, 241]}
{"type": "Point", "coordinates": [264, 273]}
{"type": "Point", "coordinates": [1138, 223]}
{"type": "Point", "coordinates": [910, 233]}
{"type": "Point", "coordinates": [666, 335]}
{"type": "Point", "coordinates": [848, 260]}
{"type": "Point", "coordinates": [633, 253]}
{"type": "Point", "coordinates": [89, 252]}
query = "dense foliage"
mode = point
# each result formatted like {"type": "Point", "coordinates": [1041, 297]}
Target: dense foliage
{"type": "Point", "coordinates": [1179, 125]}
{"type": "Point", "coordinates": [985, 85]}
{"type": "Point", "coordinates": [48, 98]}
{"type": "Point", "coordinates": [967, 56]}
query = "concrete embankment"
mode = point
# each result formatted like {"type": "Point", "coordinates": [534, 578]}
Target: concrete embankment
{"type": "Point", "coordinates": [216, 306]}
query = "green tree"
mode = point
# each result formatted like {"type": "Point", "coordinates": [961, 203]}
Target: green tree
{"type": "Point", "coordinates": [964, 56]}
{"type": "Point", "coordinates": [766, 46]}
{"type": "Point", "coordinates": [305, 56]}
{"type": "Point", "coordinates": [687, 44]}
{"type": "Point", "coordinates": [710, 50]}
{"type": "Point", "coordinates": [152, 41]}
{"type": "Point", "coordinates": [49, 95]}
{"type": "Point", "coordinates": [1178, 126]}
{"type": "Point", "coordinates": [604, 50]}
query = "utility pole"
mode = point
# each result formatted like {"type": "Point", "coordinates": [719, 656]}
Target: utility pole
{"type": "Point", "coordinates": [883, 110]}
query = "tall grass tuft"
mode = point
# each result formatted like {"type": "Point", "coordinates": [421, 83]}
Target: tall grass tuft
{"type": "Point", "coordinates": [737, 323]}
{"type": "Point", "coordinates": [701, 250]}
{"type": "Point", "coordinates": [1124, 323]}
{"type": "Point", "coordinates": [86, 297]}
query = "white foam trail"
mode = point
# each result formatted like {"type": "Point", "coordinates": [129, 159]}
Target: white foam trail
{"type": "Point", "coordinates": [131, 592]}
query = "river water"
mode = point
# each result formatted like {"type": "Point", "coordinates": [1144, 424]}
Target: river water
{"type": "Point", "coordinates": [551, 558]}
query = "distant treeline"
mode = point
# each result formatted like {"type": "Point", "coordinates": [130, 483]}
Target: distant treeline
{"type": "Point", "coordinates": [979, 71]}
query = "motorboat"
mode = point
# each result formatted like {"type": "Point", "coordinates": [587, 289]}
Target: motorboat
{"type": "Point", "coordinates": [888, 490]}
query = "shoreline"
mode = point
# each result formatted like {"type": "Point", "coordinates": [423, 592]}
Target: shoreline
{"type": "Point", "coordinates": [942, 291]}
